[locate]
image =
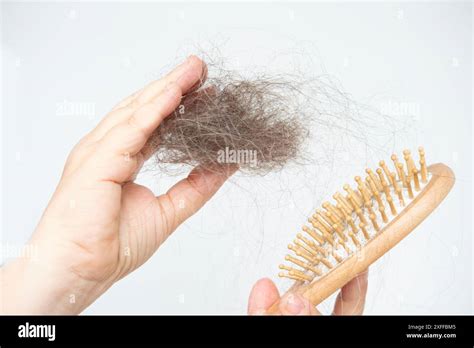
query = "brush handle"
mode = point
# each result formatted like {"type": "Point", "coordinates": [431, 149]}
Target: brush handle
{"type": "Point", "coordinates": [441, 181]}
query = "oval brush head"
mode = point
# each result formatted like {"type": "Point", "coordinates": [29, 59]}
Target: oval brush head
{"type": "Point", "coordinates": [360, 225]}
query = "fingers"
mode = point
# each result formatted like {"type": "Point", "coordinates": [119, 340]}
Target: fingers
{"type": "Point", "coordinates": [190, 194]}
{"type": "Point", "coordinates": [295, 304]}
{"type": "Point", "coordinates": [264, 293]}
{"type": "Point", "coordinates": [115, 158]}
{"type": "Point", "coordinates": [188, 76]}
{"type": "Point", "coordinates": [128, 100]}
{"type": "Point", "coordinates": [131, 135]}
{"type": "Point", "coordinates": [351, 299]}
{"type": "Point", "coordinates": [207, 92]}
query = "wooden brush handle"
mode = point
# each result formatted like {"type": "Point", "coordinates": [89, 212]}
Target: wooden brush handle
{"type": "Point", "coordinates": [441, 182]}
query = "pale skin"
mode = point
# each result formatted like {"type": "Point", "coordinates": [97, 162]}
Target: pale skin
{"type": "Point", "coordinates": [349, 301]}
{"type": "Point", "coordinates": [100, 225]}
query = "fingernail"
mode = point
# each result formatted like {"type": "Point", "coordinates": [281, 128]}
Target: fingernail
{"type": "Point", "coordinates": [189, 58]}
{"type": "Point", "coordinates": [184, 62]}
{"type": "Point", "coordinates": [294, 304]}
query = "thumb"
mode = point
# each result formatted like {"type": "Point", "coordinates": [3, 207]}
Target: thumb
{"type": "Point", "coordinates": [295, 304]}
{"type": "Point", "coordinates": [264, 293]}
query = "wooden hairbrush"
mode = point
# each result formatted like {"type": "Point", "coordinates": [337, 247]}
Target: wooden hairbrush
{"type": "Point", "coordinates": [345, 237]}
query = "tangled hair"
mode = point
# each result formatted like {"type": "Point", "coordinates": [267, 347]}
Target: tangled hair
{"type": "Point", "coordinates": [252, 123]}
{"type": "Point", "coordinates": [262, 123]}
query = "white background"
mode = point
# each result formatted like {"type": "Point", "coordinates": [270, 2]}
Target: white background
{"type": "Point", "coordinates": [90, 55]}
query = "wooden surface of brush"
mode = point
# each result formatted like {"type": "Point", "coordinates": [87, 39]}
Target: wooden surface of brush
{"type": "Point", "coordinates": [347, 235]}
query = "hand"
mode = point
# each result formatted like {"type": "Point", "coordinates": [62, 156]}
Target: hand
{"type": "Point", "coordinates": [350, 300]}
{"type": "Point", "coordinates": [100, 225]}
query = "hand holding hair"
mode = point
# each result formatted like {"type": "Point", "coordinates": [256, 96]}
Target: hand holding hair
{"type": "Point", "coordinates": [100, 225]}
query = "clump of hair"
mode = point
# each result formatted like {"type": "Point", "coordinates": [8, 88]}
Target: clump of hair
{"type": "Point", "coordinates": [262, 123]}
{"type": "Point", "coordinates": [254, 123]}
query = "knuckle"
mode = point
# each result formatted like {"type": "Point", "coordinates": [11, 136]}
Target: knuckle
{"type": "Point", "coordinates": [148, 108]}
{"type": "Point", "coordinates": [136, 127]}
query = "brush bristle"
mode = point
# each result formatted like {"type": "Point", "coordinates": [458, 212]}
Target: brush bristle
{"type": "Point", "coordinates": [341, 228]}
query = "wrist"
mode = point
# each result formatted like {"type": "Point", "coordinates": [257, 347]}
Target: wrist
{"type": "Point", "coordinates": [38, 285]}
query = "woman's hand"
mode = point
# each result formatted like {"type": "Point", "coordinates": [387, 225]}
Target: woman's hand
{"type": "Point", "coordinates": [350, 300]}
{"type": "Point", "coordinates": [100, 225]}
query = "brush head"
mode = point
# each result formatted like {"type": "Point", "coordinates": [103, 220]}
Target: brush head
{"type": "Point", "coordinates": [344, 226]}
